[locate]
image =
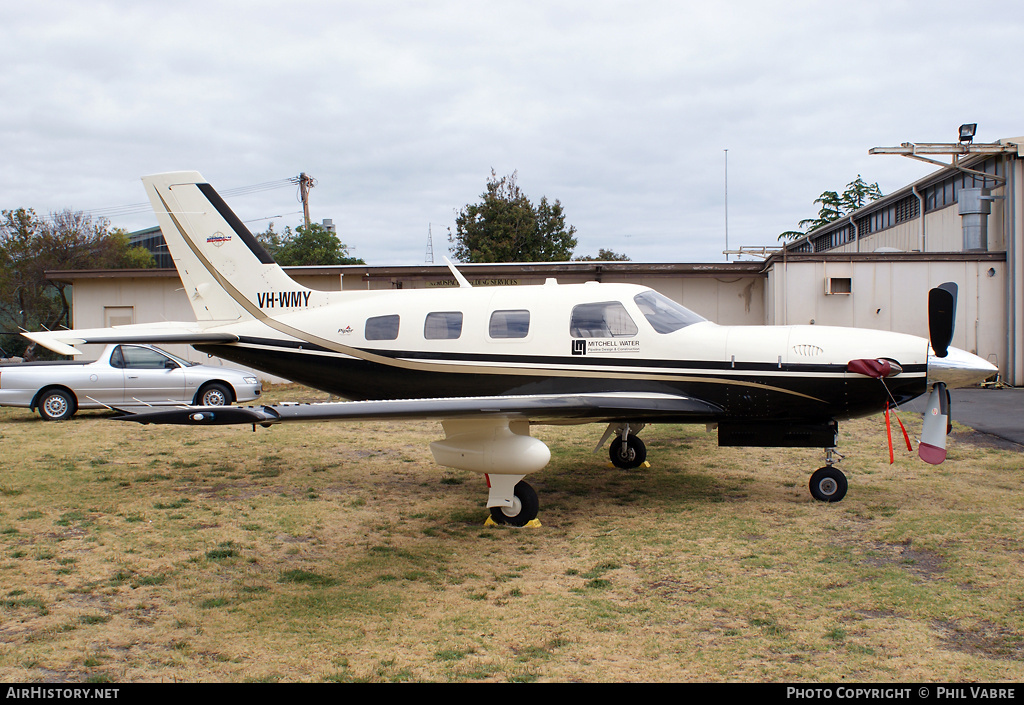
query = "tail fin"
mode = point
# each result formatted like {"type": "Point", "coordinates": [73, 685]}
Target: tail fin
{"type": "Point", "coordinates": [228, 275]}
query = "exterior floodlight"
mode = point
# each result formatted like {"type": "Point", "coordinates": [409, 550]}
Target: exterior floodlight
{"type": "Point", "coordinates": [967, 132]}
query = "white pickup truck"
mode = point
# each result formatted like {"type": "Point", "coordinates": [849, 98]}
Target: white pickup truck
{"type": "Point", "coordinates": [124, 376]}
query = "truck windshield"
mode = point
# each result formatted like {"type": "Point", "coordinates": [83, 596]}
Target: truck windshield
{"type": "Point", "coordinates": [664, 314]}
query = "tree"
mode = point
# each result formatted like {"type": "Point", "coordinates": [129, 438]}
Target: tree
{"type": "Point", "coordinates": [858, 193]}
{"type": "Point", "coordinates": [604, 255]}
{"type": "Point", "coordinates": [506, 227]}
{"type": "Point", "coordinates": [31, 246]}
{"type": "Point", "coordinates": [306, 246]}
{"type": "Point", "coordinates": [831, 209]}
{"type": "Point", "coordinates": [834, 206]}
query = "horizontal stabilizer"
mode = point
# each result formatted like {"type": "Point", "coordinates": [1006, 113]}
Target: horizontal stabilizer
{"type": "Point", "coordinates": [588, 407]}
{"type": "Point", "coordinates": [63, 342]}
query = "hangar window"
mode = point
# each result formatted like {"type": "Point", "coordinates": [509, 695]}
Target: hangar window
{"type": "Point", "coordinates": [382, 327]}
{"type": "Point", "coordinates": [664, 314]}
{"type": "Point", "coordinates": [445, 325]}
{"type": "Point", "coordinates": [604, 320]}
{"type": "Point", "coordinates": [509, 324]}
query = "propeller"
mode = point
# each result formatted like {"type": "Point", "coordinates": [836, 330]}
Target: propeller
{"type": "Point", "coordinates": [936, 426]}
{"type": "Point", "coordinates": [941, 317]}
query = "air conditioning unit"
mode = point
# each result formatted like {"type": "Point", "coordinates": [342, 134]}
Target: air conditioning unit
{"type": "Point", "coordinates": [838, 285]}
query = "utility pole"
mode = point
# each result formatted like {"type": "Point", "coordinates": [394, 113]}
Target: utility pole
{"type": "Point", "coordinates": [306, 182]}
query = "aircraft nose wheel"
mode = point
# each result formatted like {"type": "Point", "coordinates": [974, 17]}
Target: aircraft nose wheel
{"type": "Point", "coordinates": [828, 484]}
{"type": "Point", "coordinates": [525, 506]}
{"type": "Point", "coordinates": [627, 454]}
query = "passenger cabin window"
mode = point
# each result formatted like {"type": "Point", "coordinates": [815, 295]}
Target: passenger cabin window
{"type": "Point", "coordinates": [382, 327]}
{"type": "Point", "coordinates": [445, 325]}
{"type": "Point", "coordinates": [604, 320]}
{"type": "Point", "coordinates": [664, 314]}
{"type": "Point", "coordinates": [509, 324]}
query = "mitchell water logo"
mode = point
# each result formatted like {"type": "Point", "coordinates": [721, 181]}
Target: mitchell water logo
{"type": "Point", "coordinates": [604, 346]}
{"type": "Point", "coordinates": [218, 239]}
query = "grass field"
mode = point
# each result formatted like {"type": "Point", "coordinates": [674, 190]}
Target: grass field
{"type": "Point", "coordinates": [340, 552]}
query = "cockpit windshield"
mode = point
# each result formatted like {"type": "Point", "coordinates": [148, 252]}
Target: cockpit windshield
{"type": "Point", "coordinates": [664, 314]}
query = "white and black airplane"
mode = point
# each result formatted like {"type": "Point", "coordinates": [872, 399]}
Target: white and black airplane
{"type": "Point", "coordinates": [489, 363]}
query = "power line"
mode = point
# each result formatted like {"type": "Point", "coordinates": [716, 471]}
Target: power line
{"type": "Point", "coordinates": [270, 217]}
{"type": "Point", "coordinates": [112, 212]}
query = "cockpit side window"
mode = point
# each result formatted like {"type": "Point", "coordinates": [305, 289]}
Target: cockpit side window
{"type": "Point", "coordinates": [602, 320]}
{"type": "Point", "coordinates": [664, 314]}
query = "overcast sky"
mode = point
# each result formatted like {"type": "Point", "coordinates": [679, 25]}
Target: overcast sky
{"type": "Point", "coordinates": [400, 110]}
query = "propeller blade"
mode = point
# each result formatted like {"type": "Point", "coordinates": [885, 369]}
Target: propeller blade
{"type": "Point", "coordinates": [935, 426]}
{"type": "Point", "coordinates": [949, 412]}
{"type": "Point", "coordinates": [941, 317]}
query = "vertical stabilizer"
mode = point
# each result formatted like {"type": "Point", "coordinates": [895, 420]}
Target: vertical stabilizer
{"type": "Point", "coordinates": [227, 274]}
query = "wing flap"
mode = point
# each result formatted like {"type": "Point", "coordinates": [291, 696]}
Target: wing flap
{"type": "Point", "coordinates": [538, 408]}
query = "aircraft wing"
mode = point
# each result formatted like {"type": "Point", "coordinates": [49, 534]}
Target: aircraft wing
{"type": "Point", "coordinates": [607, 406]}
{"type": "Point", "coordinates": [63, 342]}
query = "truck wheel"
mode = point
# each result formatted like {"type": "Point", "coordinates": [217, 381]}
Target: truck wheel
{"type": "Point", "coordinates": [56, 405]}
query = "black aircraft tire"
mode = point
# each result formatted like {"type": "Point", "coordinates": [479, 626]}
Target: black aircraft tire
{"type": "Point", "coordinates": [828, 484]}
{"type": "Point", "coordinates": [528, 507]}
{"type": "Point", "coordinates": [628, 455]}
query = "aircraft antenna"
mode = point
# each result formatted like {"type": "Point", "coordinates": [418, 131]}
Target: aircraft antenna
{"type": "Point", "coordinates": [463, 282]}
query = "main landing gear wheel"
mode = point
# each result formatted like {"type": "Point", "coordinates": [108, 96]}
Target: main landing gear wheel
{"type": "Point", "coordinates": [523, 510]}
{"type": "Point", "coordinates": [627, 454]}
{"type": "Point", "coordinates": [828, 484]}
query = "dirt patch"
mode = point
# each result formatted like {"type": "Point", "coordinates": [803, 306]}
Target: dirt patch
{"type": "Point", "coordinates": [981, 638]}
{"type": "Point", "coordinates": [918, 562]}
